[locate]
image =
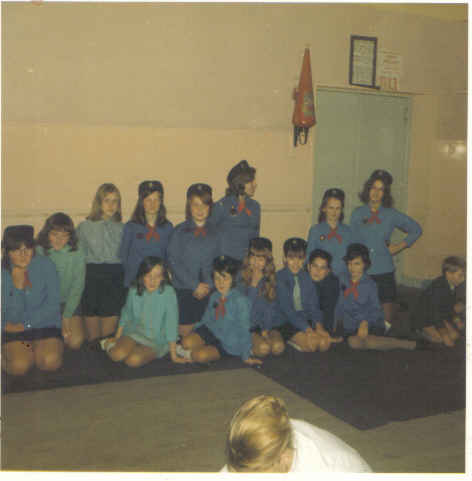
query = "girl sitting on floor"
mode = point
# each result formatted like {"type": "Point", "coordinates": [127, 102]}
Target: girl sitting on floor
{"type": "Point", "coordinates": [148, 231]}
{"type": "Point", "coordinates": [58, 240]}
{"type": "Point", "coordinates": [148, 323]}
{"type": "Point", "coordinates": [358, 312]}
{"type": "Point", "coordinates": [31, 316]}
{"type": "Point", "coordinates": [224, 328]}
{"type": "Point", "coordinates": [99, 238]}
{"type": "Point", "coordinates": [258, 283]}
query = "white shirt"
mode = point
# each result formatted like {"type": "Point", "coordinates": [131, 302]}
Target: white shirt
{"type": "Point", "coordinates": [317, 450]}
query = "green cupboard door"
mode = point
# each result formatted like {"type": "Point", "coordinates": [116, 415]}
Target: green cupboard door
{"type": "Point", "coordinates": [357, 133]}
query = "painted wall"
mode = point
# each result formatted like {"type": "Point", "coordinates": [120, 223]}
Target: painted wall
{"type": "Point", "coordinates": [120, 93]}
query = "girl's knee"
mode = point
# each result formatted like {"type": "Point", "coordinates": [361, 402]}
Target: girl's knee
{"type": "Point", "coordinates": [262, 349]}
{"type": "Point", "coordinates": [18, 367]}
{"type": "Point", "coordinates": [117, 353]}
{"type": "Point", "coordinates": [51, 361]}
{"type": "Point", "coordinates": [134, 360]}
{"type": "Point", "coordinates": [75, 342]}
{"type": "Point", "coordinates": [324, 344]}
{"type": "Point", "coordinates": [278, 348]}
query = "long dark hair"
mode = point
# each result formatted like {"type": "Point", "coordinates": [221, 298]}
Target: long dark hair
{"type": "Point", "coordinates": [240, 175]}
{"type": "Point", "coordinates": [61, 222]}
{"type": "Point", "coordinates": [147, 188]}
{"type": "Point", "coordinates": [146, 266]}
{"type": "Point", "coordinates": [387, 181]}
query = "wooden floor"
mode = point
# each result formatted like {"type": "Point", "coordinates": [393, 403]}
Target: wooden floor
{"type": "Point", "coordinates": [178, 424]}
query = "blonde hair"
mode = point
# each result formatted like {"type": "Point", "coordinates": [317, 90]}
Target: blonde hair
{"type": "Point", "coordinates": [259, 434]}
{"type": "Point", "coordinates": [96, 212]}
{"type": "Point", "coordinates": [267, 289]}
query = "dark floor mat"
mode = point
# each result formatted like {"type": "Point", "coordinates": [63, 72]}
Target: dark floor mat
{"type": "Point", "coordinates": [370, 388]}
{"type": "Point", "coordinates": [87, 366]}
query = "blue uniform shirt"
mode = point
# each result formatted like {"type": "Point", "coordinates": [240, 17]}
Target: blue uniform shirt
{"type": "Point", "coordinates": [310, 314]}
{"type": "Point", "coordinates": [191, 256]}
{"type": "Point", "coordinates": [232, 330]}
{"type": "Point", "coordinates": [134, 247]}
{"type": "Point", "coordinates": [37, 306]}
{"type": "Point", "coordinates": [366, 307]}
{"type": "Point", "coordinates": [376, 236]}
{"type": "Point", "coordinates": [263, 311]}
{"type": "Point", "coordinates": [318, 239]}
{"type": "Point", "coordinates": [236, 228]}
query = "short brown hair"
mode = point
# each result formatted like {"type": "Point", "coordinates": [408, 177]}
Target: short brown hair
{"type": "Point", "coordinates": [259, 433]}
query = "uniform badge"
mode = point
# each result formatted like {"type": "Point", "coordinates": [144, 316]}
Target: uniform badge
{"type": "Point", "coordinates": [322, 237]}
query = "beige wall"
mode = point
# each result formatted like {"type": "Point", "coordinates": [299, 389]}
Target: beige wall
{"type": "Point", "coordinates": [97, 93]}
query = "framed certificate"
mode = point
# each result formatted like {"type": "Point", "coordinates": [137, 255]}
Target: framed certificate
{"type": "Point", "coordinates": [362, 61]}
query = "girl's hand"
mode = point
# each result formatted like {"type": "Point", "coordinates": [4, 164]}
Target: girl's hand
{"type": "Point", "coordinates": [363, 330]}
{"type": "Point", "coordinates": [201, 291]}
{"type": "Point", "coordinates": [321, 331]}
{"type": "Point", "coordinates": [252, 361]}
{"type": "Point", "coordinates": [66, 328]}
{"type": "Point", "coordinates": [396, 248]}
{"type": "Point", "coordinates": [265, 333]}
{"type": "Point", "coordinates": [310, 332]}
{"type": "Point", "coordinates": [14, 327]}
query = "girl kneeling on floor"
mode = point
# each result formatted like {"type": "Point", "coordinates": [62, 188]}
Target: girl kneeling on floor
{"type": "Point", "coordinates": [58, 241]}
{"type": "Point", "coordinates": [224, 328]}
{"type": "Point", "coordinates": [149, 320]}
{"type": "Point", "coordinates": [358, 314]}
{"type": "Point", "coordinates": [258, 284]}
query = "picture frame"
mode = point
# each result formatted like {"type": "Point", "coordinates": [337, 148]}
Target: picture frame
{"type": "Point", "coordinates": [363, 61]}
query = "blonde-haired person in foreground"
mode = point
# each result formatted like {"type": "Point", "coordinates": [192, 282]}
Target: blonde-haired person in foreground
{"type": "Point", "coordinates": [262, 438]}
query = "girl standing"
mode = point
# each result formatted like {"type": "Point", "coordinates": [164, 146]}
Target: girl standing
{"type": "Point", "coordinates": [148, 231]}
{"type": "Point", "coordinates": [58, 241]}
{"type": "Point", "coordinates": [99, 238]}
{"type": "Point", "coordinates": [193, 246]}
{"type": "Point", "coordinates": [31, 317]}
{"type": "Point", "coordinates": [330, 234]}
{"type": "Point", "coordinates": [148, 324]}
{"type": "Point", "coordinates": [237, 215]}
{"type": "Point", "coordinates": [258, 284]}
{"type": "Point", "coordinates": [373, 225]}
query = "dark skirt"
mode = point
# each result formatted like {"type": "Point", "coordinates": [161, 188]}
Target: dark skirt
{"type": "Point", "coordinates": [287, 331]}
{"type": "Point", "coordinates": [30, 335]}
{"type": "Point", "coordinates": [386, 286]}
{"type": "Point", "coordinates": [191, 309]}
{"type": "Point", "coordinates": [104, 293]}
{"type": "Point", "coordinates": [211, 340]}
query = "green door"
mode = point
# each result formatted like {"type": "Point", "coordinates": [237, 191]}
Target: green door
{"type": "Point", "coordinates": [357, 133]}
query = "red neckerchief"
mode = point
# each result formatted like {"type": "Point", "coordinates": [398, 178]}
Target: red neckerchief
{"type": "Point", "coordinates": [220, 308]}
{"type": "Point", "coordinates": [374, 217]}
{"type": "Point", "coordinates": [151, 233]}
{"type": "Point", "coordinates": [242, 206]}
{"type": "Point", "coordinates": [27, 281]}
{"type": "Point", "coordinates": [334, 233]}
{"type": "Point", "coordinates": [200, 231]}
{"type": "Point", "coordinates": [352, 289]}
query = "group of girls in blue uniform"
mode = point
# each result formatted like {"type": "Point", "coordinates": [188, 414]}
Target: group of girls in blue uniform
{"type": "Point", "coordinates": [204, 289]}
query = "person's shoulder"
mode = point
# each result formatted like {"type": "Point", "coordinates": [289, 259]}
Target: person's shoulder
{"type": "Point", "coordinates": [331, 280]}
{"type": "Point", "coordinates": [180, 227]}
{"type": "Point", "coordinates": [42, 263]}
{"type": "Point", "coordinates": [168, 291]}
{"type": "Point", "coordinates": [344, 228]}
{"type": "Point", "coordinates": [281, 274]}
{"type": "Point", "coordinates": [40, 250]}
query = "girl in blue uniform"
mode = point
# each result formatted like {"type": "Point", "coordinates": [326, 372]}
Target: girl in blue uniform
{"type": "Point", "coordinates": [237, 215]}
{"type": "Point", "coordinates": [148, 231]}
{"type": "Point", "coordinates": [373, 225]}
{"type": "Point", "coordinates": [358, 313]}
{"type": "Point", "coordinates": [192, 247]}
{"type": "Point", "coordinates": [99, 238]}
{"type": "Point", "coordinates": [258, 283]}
{"type": "Point", "coordinates": [31, 317]}
{"type": "Point", "coordinates": [58, 241]}
{"type": "Point", "coordinates": [330, 234]}
{"type": "Point", "coordinates": [148, 323]}
{"type": "Point", "coordinates": [225, 326]}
